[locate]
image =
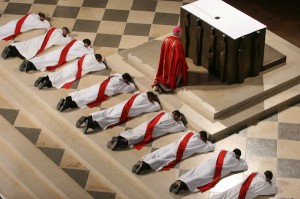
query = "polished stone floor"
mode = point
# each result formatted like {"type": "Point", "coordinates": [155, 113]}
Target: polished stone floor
{"type": "Point", "coordinates": [115, 25]}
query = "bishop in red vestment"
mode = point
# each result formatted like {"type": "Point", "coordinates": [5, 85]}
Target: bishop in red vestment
{"type": "Point", "coordinates": [172, 68]}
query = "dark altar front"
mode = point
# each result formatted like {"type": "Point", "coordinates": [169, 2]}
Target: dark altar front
{"type": "Point", "coordinates": [227, 42]}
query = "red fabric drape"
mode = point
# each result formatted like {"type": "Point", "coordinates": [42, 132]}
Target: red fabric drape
{"type": "Point", "coordinates": [217, 175]}
{"type": "Point", "coordinates": [78, 74]}
{"type": "Point", "coordinates": [46, 39]}
{"type": "Point", "coordinates": [124, 115]}
{"type": "Point", "coordinates": [245, 186]}
{"type": "Point", "coordinates": [180, 151]}
{"type": "Point", "coordinates": [63, 56]}
{"type": "Point", "coordinates": [101, 96]}
{"type": "Point", "coordinates": [171, 63]}
{"type": "Point", "coordinates": [149, 131]}
{"type": "Point", "coordinates": [17, 29]}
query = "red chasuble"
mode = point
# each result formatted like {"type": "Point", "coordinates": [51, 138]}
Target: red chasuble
{"type": "Point", "coordinates": [17, 29]}
{"type": "Point", "coordinates": [217, 175]}
{"type": "Point", "coordinates": [172, 63]}
{"type": "Point", "coordinates": [245, 186]}
{"type": "Point", "coordinates": [46, 39]}
{"type": "Point", "coordinates": [124, 115]}
{"type": "Point", "coordinates": [149, 131]}
{"type": "Point", "coordinates": [101, 96]}
{"type": "Point", "coordinates": [63, 56]}
{"type": "Point", "coordinates": [78, 74]}
{"type": "Point", "coordinates": [180, 151]}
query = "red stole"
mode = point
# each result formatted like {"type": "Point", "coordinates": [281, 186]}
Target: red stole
{"type": "Point", "coordinates": [78, 74]}
{"type": "Point", "coordinates": [46, 39]}
{"type": "Point", "coordinates": [63, 56]}
{"type": "Point", "coordinates": [171, 64]}
{"type": "Point", "coordinates": [217, 175]}
{"type": "Point", "coordinates": [17, 29]}
{"type": "Point", "coordinates": [180, 151]}
{"type": "Point", "coordinates": [101, 96]}
{"type": "Point", "coordinates": [149, 131]}
{"type": "Point", "coordinates": [124, 115]}
{"type": "Point", "coordinates": [245, 186]}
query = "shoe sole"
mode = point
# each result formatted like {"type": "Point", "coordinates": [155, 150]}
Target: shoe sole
{"type": "Point", "coordinates": [59, 104]}
{"type": "Point", "coordinates": [37, 82]}
{"type": "Point", "coordinates": [41, 84]}
{"type": "Point", "coordinates": [22, 66]}
{"type": "Point", "coordinates": [80, 121]}
{"type": "Point", "coordinates": [4, 53]}
{"type": "Point", "coordinates": [86, 127]}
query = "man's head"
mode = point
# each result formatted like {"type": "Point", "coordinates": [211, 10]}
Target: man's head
{"type": "Point", "coordinates": [176, 115]}
{"type": "Point", "coordinates": [203, 136]}
{"type": "Point", "coordinates": [237, 153]}
{"type": "Point", "coordinates": [42, 16]}
{"type": "Point", "coordinates": [65, 31]}
{"type": "Point", "coordinates": [87, 42]}
{"type": "Point", "coordinates": [127, 78]}
{"type": "Point", "coordinates": [269, 175]}
{"type": "Point", "coordinates": [151, 96]}
{"type": "Point", "coordinates": [177, 31]}
{"type": "Point", "coordinates": [98, 57]}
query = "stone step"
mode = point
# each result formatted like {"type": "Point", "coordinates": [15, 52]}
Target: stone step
{"type": "Point", "coordinates": [40, 106]}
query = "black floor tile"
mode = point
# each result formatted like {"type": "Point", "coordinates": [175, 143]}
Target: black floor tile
{"type": "Point", "coordinates": [49, 2]}
{"type": "Point", "coordinates": [95, 3]}
{"type": "Point", "coordinates": [288, 168]}
{"type": "Point", "coordinates": [82, 25]}
{"type": "Point", "coordinates": [79, 175]}
{"type": "Point", "coordinates": [166, 19]}
{"type": "Point", "coordinates": [107, 40]}
{"type": "Point", "coordinates": [66, 12]}
{"type": "Point", "coordinates": [261, 147]}
{"type": "Point", "coordinates": [289, 131]}
{"type": "Point", "coordinates": [137, 29]}
{"type": "Point", "coordinates": [102, 195]}
{"type": "Point", "coordinates": [17, 8]}
{"type": "Point", "coordinates": [54, 154]}
{"type": "Point", "coordinates": [32, 134]}
{"type": "Point", "coordinates": [144, 5]}
{"type": "Point", "coordinates": [9, 114]}
{"type": "Point", "coordinates": [115, 15]}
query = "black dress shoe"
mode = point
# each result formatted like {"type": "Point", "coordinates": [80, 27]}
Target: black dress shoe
{"type": "Point", "coordinates": [29, 67]}
{"type": "Point", "coordinates": [65, 105]}
{"type": "Point", "coordinates": [136, 166]}
{"type": "Point", "coordinates": [38, 81]}
{"type": "Point", "coordinates": [80, 121]}
{"type": "Point", "coordinates": [23, 66]}
{"type": "Point", "coordinates": [175, 187]}
{"type": "Point", "coordinates": [112, 144]}
{"type": "Point", "coordinates": [5, 52]}
{"type": "Point", "coordinates": [42, 84]}
{"type": "Point", "coordinates": [60, 103]}
{"type": "Point", "coordinates": [88, 124]}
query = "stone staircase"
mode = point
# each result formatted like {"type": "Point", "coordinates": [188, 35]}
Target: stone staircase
{"type": "Point", "coordinates": [209, 104]}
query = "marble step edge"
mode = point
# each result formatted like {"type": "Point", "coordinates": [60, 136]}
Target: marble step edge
{"type": "Point", "coordinates": [221, 128]}
{"type": "Point", "coordinates": [189, 97]}
{"type": "Point", "coordinates": [25, 172]}
{"type": "Point", "coordinates": [129, 185]}
{"type": "Point", "coordinates": [8, 180]}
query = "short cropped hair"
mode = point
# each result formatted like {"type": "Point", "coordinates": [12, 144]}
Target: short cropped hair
{"type": "Point", "coordinates": [237, 152]}
{"type": "Point", "coordinates": [203, 134]}
{"type": "Point", "coordinates": [127, 76]}
{"type": "Point", "coordinates": [269, 174]}
{"type": "Point", "coordinates": [65, 28]}
{"type": "Point", "coordinates": [87, 41]}
{"type": "Point", "coordinates": [176, 112]}
{"type": "Point", "coordinates": [98, 56]}
{"type": "Point", "coordinates": [41, 14]}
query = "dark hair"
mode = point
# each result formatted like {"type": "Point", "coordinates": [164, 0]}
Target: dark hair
{"type": "Point", "coordinates": [203, 134]}
{"type": "Point", "coordinates": [183, 119]}
{"type": "Point", "coordinates": [237, 152]}
{"type": "Point", "coordinates": [41, 14]}
{"type": "Point", "coordinates": [98, 56]}
{"type": "Point", "coordinates": [127, 76]}
{"type": "Point", "coordinates": [150, 94]}
{"type": "Point", "coordinates": [176, 112]}
{"type": "Point", "coordinates": [65, 28]}
{"type": "Point", "coordinates": [87, 41]}
{"type": "Point", "coordinates": [269, 174]}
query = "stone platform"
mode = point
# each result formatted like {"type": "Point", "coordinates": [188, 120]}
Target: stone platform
{"type": "Point", "coordinates": [215, 106]}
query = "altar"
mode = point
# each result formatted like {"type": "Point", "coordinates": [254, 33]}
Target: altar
{"type": "Point", "coordinates": [224, 40]}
